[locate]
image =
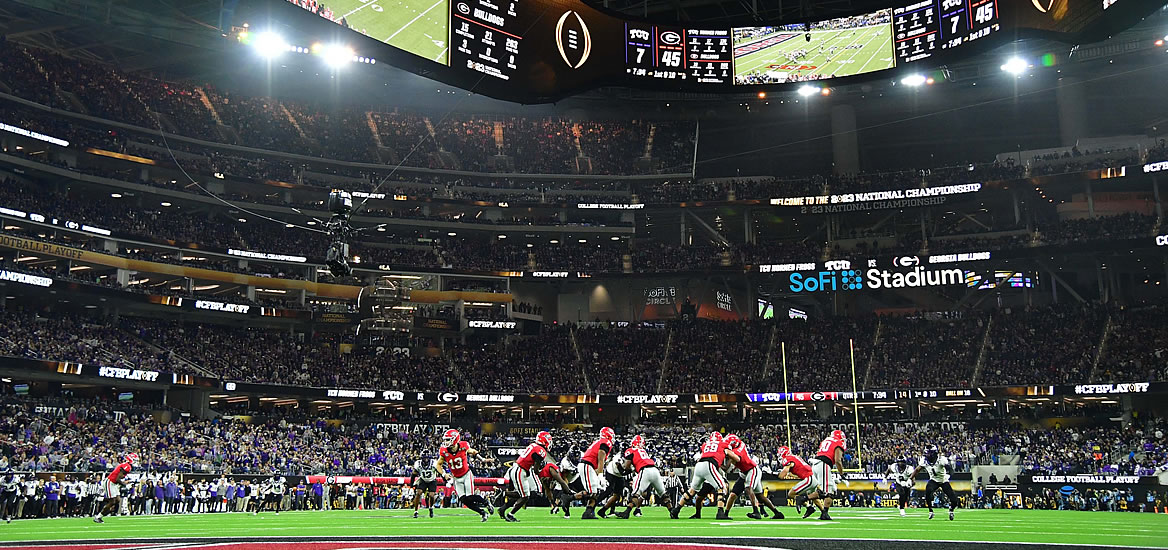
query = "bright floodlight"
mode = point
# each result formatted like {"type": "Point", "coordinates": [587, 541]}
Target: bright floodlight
{"type": "Point", "coordinates": [913, 80]}
{"type": "Point", "coordinates": [337, 55]}
{"type": "Point", "coordinates": [808, 90]}
{"type": "Point", "coordinates": [1015, 65]}
{"type": "Point", "coordinates": [269, 44]}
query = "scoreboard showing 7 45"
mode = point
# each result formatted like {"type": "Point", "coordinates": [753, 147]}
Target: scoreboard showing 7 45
{"type": "Point", "coordinates": [672, 53]}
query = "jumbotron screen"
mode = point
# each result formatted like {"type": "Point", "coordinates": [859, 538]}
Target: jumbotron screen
{"type": "Point", "coordinates": [416, 26]}
{"type": "Point", "coordinates": [825, 49]}
{"type": "Point", "coordinates": [547, 48]}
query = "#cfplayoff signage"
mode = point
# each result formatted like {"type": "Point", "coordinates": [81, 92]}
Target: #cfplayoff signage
{"type": "Point", "coordinates": [873, 279]}
{"type": "Point", "coordinates": [491, 324]}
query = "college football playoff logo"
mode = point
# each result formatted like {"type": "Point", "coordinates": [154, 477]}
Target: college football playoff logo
{"type": "Point", "coordinates": [1043, 6]}
{"type": "Point", "coordinates": [573, 39]}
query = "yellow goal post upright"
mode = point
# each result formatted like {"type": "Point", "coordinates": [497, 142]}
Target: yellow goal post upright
{"type": "Point", "coordinates": [855, 408]}
{"type": "Point", "coordinates": [855, 403]}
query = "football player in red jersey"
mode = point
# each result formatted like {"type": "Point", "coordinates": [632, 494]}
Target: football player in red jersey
{"type": "Point", "coordinates": [524, 474]}
{"type": "Point", "coordinates": [750, 479]}
{"type": "Point", "coordinates": [709, 471]}
{"type": "Point", "coordinates": [796, 468]}
{"type": "Point", "coordinates": [591, 461]}
{"type": "Point", "coordinates": [548, 476]}
{"type": "Point", "coordinates": [831, 453]}
{"type": "Point", "coordinates": [455, 454]}
{"type": "Point", "coordinates": [648, 476]}
{"type": "Point", "coordinates": [110, 487]}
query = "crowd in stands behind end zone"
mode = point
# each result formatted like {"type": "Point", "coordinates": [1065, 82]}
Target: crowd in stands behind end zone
{"type": "Point", "coordinates": [1050, 345]}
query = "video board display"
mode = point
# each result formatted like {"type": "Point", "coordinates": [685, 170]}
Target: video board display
{"type": "Point", "coordinates": [826, 49]}
{"type": "Point", "coordinates": [552, 48]}
{"type": "Point", "coordinates": [416, 26]}
{"type": "Point", "coordinates": [924, 28]}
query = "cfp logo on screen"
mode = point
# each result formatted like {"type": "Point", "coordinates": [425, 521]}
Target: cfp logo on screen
{"type": "Point", "coordinates": [573, 39]}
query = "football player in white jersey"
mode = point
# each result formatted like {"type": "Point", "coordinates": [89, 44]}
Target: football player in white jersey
{"type": "Point", "coordinates": [938, 468]}
{"type": "Point", "coordinates": [425, 483]}
{"type": "Point", "coordinates": [899, 479]}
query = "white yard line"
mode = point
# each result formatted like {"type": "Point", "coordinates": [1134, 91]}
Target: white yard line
{"type": "Point", "coordinates": [419, 16]}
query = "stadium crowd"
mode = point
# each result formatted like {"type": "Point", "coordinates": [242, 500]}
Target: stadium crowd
{"type": "Point", "coordinates": [1047, 345]}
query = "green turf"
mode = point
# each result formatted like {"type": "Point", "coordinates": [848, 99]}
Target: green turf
{"type": "Point", "coordinates": [1035, 526]}
{"type": "Point", "coordinates": [417, 26]}
{"type": "Point", "coordinates": [875, 53]}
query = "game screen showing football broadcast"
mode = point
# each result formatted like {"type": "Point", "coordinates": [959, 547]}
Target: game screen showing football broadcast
{"type": "Point", "coordinates": [416, 26]}
{"type": "Point", "coordinates": [825, 49]}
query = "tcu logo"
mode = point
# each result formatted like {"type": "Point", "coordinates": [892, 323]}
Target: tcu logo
{"type": "Point", "coordinates": [837, 265]}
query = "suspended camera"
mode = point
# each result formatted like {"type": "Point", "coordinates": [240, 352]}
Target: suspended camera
{"type": "Point", "coordinates": [340, 205]}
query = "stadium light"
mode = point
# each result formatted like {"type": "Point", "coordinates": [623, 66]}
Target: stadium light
{"type": "Point", "coordinates": [337, 55]}
{"type": "Point", "coordinates": [913, 80]}
{"type": "Point", "coordinates": [808, 90]}
{"type": "Point", "coordinates": [269, 44]}
{"type": "Point", "coordinates": [1015, 65]}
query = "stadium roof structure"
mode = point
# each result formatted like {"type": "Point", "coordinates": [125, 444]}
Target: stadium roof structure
{"type": "Point", "coordinates": [132, 34]}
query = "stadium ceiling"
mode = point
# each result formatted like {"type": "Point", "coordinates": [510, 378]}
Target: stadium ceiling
{"type": "Point", "coordinates": [131, 34]}
{"type": "Point", "coordinates": [737, 10]}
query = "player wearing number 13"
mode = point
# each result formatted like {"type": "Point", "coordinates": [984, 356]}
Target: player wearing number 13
{"type": "Point", "coordinates": [455, 454]}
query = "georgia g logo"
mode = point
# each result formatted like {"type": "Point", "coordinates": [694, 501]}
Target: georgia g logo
{"type": "Point", "coordinates": [573, 39]}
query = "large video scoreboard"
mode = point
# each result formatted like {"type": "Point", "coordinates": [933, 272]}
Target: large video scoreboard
{"type": "Point", "coordinates": [550, 48]}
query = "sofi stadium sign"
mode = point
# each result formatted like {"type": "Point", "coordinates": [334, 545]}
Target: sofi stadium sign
{"type": "Point", "coordinates": [874, 279]}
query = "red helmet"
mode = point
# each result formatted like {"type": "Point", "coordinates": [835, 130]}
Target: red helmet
{"type": "Point", "coordinates": [607, 433]}
{"type": "Point", "coordinates": [715, 436]}
{"type": "Point", "coordinates": [451, 438]}
{"type": "Point", "coordinates": [638, 441]}
{"type": "Point", "coordinates": [132, 458]}
{"type": "Point", "coordinates": [544, 439]}
{"type": "Point", "coordinates": [784, 452]}
{"type": "Point", "coordinates": [732, 441]}
{"type": "Point", "coordinates": [838, 435]}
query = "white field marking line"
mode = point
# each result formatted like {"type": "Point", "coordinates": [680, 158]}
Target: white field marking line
{"type": "Point", "coordinates": [417, 17]}
{"type": "Point", "coordinates": [852, 527]}
{"type": "Point", "coordinates": [859, 38]}
{"type": "Point", "coordinates": [521, 538]}
{"type": "Point", "coordinates": [443, 54]}
{"type": "Point", "coordinates": [876, 53]}
{"type": "Point", "coordinates": [359, 8]}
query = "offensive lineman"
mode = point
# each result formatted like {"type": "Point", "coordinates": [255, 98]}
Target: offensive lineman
{"type": "Point", "coordinates": [900, 477]}
{"type": "Point", "coordinates": [831, 453]}
{"type": "Point", "coordinates": [110, 486]}
{"type": "Point", "coordinates": [708, 471]}
{"type": "Point", "coordinates": [648, 476]}
{"type": "Point", "coordinates": [796, 468]}
{"type": "Point", "coordinates": [523, 473]}
{"type": "Point", "coordinates": [455, 454]}
{"type": "Point", "coordinates": [750, 479]}
{"type": "Point", "coordinates": [589, 469]}
{"type": "Point", "coordinates": [938, 468]}
{"type": "Point", "coordinates": [425, 481]}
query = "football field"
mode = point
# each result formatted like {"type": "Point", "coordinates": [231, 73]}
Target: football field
{"type": "Point", "coordinates": [842, 52]}
{"type": "Point", "coordinates": [417, 26]}
{"type": "Point", "coordinates": [851, 528]}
